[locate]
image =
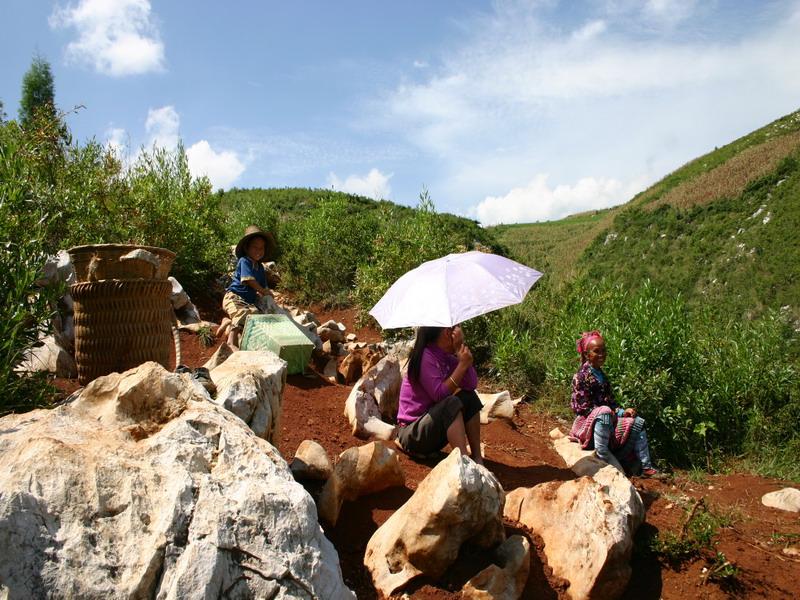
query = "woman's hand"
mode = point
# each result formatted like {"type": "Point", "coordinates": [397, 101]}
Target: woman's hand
{"type": "Point", "coordinates": [630, 412]}
{"type": "Point", "coordinates": [464, 356]}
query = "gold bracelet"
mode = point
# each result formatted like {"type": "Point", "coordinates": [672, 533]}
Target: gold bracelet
{"type": "Point", "coordinates": [453, 381]}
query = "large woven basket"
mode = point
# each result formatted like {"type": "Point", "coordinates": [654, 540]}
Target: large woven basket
{"type": "Point", "coordinates": [102, 261]}
{"type": "Point", "coordinates": [120, 324]}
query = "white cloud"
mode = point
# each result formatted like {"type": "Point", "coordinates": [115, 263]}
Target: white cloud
{"type": "Point", "coordinates": [117, 141]}
{"type": "Point", "coordinates": [115, 37]}
{"type": "Point", "coordinates": [162, 127]}
{"type": "Point", "coordinates": [221, 168]}
{"type": "Point", "coordinates": [372, 185]}
{"type": "Point", "coordinates": [537, 201]}
{"type": "Point", "coordinates": [420, 64]}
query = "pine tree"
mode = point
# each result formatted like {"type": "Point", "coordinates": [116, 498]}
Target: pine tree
{"type": "Point", "coordinates": [38, 93]}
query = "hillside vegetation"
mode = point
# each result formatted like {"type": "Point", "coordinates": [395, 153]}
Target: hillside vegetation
{"type": "Point", "coordinates": [695, 284]}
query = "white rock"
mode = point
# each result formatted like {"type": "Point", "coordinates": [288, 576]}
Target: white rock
{"type": "Point", "coordinates": [374, 400]}
{"type": "Point", "coordinates": [188, 314]}
{"type": "Point", "coordinates": [785, 499]}
{"type": "Point", "coordinates": [457, 501]}
{"type": "Point", "coordinates": [505, 580]}
{"type": "Point", "coordinates": [49, 357]}
{"type": "Point", "coordinates": [250, 385]}
{"type": "Point", "coordinates": [58, 269]}
{"type": "Point", "coordinates": [150, 491]}
{"type": "Point", "coordinates": [351, 337]}
{"type": "Point", "coordinates": [497, 406]}
{"type": "Point", "coordinates": [179, 297]}
{"type": "Point", "coordinates": [601, 511]}
{"type": "Point", "coordinates": [582, 462]}
{"type": "Point", "coordinates": [359, 471]}
{"type": "Point", "coordinates": [587, 539]}
{"type": "Point", "coordinates": [311, 462]}
{"type": "Point", "coordinates": [220, 355]}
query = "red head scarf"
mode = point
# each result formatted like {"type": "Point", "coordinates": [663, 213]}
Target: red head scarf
{"type": "Point", "coordinates": [586, 337]}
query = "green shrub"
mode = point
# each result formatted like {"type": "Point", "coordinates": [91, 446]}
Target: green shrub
{"type": "Point", "coordinates": [321, 251]}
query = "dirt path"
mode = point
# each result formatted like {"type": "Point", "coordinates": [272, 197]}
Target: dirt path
{"type": "Point", "coordinates": [519, 454]}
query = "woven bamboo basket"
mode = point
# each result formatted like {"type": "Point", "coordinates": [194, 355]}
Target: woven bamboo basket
{"type": "Point", "coordinates": [120, 324]}
{"type": "Point", "coordinates": [103, 261]}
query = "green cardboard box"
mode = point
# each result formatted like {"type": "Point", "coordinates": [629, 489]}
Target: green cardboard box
{"type": "Point", "coordinates": [281, 335]}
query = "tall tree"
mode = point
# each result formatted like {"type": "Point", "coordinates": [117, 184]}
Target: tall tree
{"type": "Point", "coordinates": [38, 92]}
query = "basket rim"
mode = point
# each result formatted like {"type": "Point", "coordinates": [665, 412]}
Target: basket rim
{"type": "Point", "coordinates": [96, 247]}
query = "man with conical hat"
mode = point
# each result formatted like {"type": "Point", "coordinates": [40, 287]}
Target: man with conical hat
{"type": "Point", "coordinates": [249, 280]}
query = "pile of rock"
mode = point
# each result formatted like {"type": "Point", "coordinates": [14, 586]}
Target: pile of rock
{"type": "Point", "coordinates": [149, 490]}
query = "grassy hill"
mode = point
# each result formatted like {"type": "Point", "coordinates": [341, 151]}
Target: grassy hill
{"type": "Point", "coordinates": [724, 228]}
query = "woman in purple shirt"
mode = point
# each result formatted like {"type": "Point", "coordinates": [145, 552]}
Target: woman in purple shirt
{"type": "Point", "coordinates": [438, 402]}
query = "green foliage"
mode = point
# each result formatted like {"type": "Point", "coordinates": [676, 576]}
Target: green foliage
{"type": "Point", "coordinates": [165, 206]}
{"type": "Point", "coordinates": [206, 336]}
{"type": "Point", "coordinates": [38, 92]}
{"type": "Point", "coordinates": [698, 539]}
{"type": "Point", "coordinates": [321, 250]}
{"type": "Point", "coordinates": [25, 308]}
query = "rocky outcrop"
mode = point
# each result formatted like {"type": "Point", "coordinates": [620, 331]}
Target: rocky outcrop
{"type": "Point", "coordinates": [358, 472]}
{"type": "Point", "coordinates": [311, 462]}
{"type": "Point", "coordinates": [373, 401]}
{"type": "Point", "coordinates": [457, 501]}
{"type": "Point", "coordinates": [142, 488]}
{"type": "Point", "coordinates": [601, 510]}
{"type": "Point", "coordinates": [250, 385]}
{"type": "Point", "coordinates": [506, 579]}
{"type": "Point", "coordinates": [785, 499]}
{"type": "Point", "coordinates": [497, 406]}
{"type": "Point", "coordinates": [49, 357]}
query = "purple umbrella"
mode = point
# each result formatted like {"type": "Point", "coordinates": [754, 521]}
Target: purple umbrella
{"type": "Point", "coordinates": [452, 289]}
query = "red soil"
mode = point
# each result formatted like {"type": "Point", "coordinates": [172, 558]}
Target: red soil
{"type": "Point", "coordinates": [519, 454]}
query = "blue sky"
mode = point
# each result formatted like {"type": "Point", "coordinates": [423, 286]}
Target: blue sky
{"type": "Point", "coordinates": [507, 111]}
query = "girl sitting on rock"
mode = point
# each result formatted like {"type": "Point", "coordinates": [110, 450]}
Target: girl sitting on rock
{"type": "Point", "coordinates": [600, 423]}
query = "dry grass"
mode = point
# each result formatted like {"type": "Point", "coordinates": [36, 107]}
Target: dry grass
{"type": "Point", "coordinates": [729, 179]}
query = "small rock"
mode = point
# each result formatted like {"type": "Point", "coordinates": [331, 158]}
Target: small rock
{"type": "Point", "coordinates": [785, 499]}
{"type": "Point", "coordinates": [311, 462]}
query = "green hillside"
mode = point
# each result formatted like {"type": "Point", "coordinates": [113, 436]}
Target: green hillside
{"type": "Point", "coordinates": [724, 227]}
{"type": "Point", "coordinates": [695, 285]}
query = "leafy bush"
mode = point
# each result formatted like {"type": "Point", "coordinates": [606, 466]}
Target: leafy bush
{"type": "Point", "coordinates": [321, 250]}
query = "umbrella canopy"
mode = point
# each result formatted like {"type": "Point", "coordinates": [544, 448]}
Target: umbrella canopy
{"type": "Point", "coordinates": [452, 289]}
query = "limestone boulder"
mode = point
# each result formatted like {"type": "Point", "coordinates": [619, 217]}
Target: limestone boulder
{"type": "Point", "coordinates": [497, 406]}
{"type": "Point", "coordinates": [58, 269]}
{"type": "Point", "coordinates": [331, 331]}
{"type": "Point", "coordinates": [374, 400]}
{"type": "Point", "coordinates": [582, 462]}
{"type": "Point", "coordinates": [359, 471]}
{"type": "Point", "coordinates": [506, 579]}
{"type": "Point", "coordinates": [142, 488]}
{"type": "Point", "coordinates": [178, 297]}
{"type": "Point", "coordinates": [250, 385]}
{"type": "Point", "coordinates": [49, 357]}
{"type": "Point", "coordinates": [457, 501]}
{"type": "Point", "coordinates": [220, 355]}
{"type": "Point", "coordinates": [311, 462]}
{"type": "Point", "coordinates": [359, 361]}
{"type": "Point", "coordinates": [785, 499]}
{"type": "Point", "coordinates": [188, 315]}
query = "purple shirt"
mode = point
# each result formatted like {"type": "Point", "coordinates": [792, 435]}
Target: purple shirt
{"type": "Point", "coordinates": [416, 397]}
